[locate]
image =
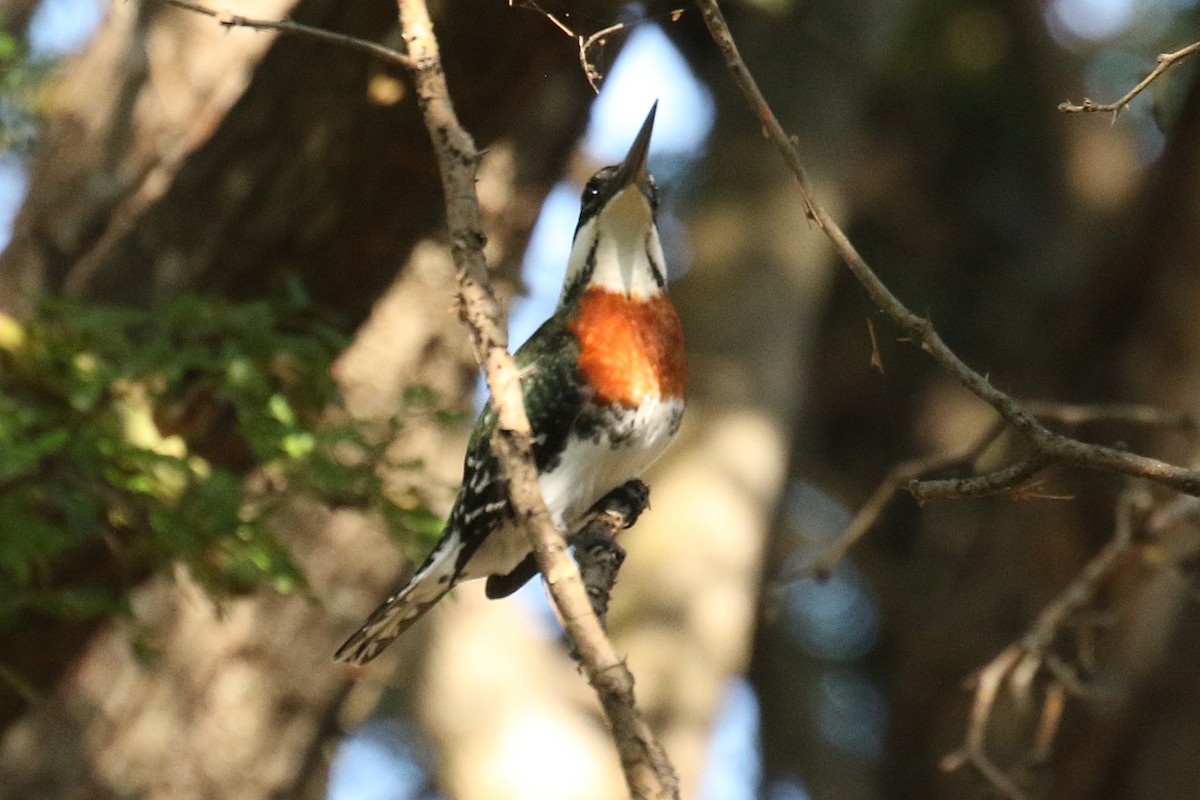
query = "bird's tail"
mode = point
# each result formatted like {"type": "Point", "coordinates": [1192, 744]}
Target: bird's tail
{"type": "Point", "coordinates": [394, 616]}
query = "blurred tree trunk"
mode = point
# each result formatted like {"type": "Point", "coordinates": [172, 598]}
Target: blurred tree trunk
{"type": "Point", "coordinates": [751, 303]}
{"type": "Point", "coordinates": [179, 156]}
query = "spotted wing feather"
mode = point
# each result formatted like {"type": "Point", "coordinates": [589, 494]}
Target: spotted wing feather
{"type": "Point", "coordinates": [553, 400]}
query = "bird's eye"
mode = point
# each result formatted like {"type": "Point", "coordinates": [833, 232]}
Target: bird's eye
{"type": "Point", "coordinates": [592, 190]}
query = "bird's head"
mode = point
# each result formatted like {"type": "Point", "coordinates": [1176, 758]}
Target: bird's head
{"type": "Point", "coordinates": [616, 244]}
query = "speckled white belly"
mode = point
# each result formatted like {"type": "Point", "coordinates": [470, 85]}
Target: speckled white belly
{"type": "Point", "coordinates": [588, 470]}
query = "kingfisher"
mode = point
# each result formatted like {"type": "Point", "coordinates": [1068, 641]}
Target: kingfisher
{"type": "Point", "coordinates": [603, 380]}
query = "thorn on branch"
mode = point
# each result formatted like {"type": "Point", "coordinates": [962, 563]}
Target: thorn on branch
{"type": "Point", "coordinates": [1016, 477]}
{"type": "Point", "coordinates": [1045, 448]}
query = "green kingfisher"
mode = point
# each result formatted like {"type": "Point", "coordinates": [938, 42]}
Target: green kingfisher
{"type": "Point", "coordinates": [603, 381]}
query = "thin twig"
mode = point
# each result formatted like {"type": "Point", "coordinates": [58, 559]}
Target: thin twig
{"type": "Point", "coordinates": [907, 476]}
{"type": "Point", "coordinates": [586, 43]}
{"type": "Point", "coordinates": [648, 773]}
{"type": "Point", "coordinates": [1005, 479]}
{"type": "Point", "coordinates": [230, 20]}
{"type": "Point", "coordinates": [1165, 62]}
{"type": "Point", "coordinates": [1083, 589]}
{"type": "Point", "coordinates": [1047, 448]}
{"type": "Point", "coordinates": [583, 43]}
{"type": "Point", "coordinates": [974, 749]}
{"type": "Point", "coordinates": [585, 50]}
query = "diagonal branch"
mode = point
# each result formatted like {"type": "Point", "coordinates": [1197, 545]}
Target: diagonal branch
{"type": "Point", "coordinates": [647, 771]}
{"type": "Point", "coordinates": [1165, 62]}
{"type": "Point", "coordinates": [1047, 448]}
{"type": "Point", "coordinates": [902, 476]}
{"type": "Point", "coordinates": [1017, 665]}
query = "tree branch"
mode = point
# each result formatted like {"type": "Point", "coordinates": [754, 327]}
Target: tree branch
{"type": "Point", "coordinates": [908, 475]}
{"type": "Point", "coordinates": [229, 20]}
{"type": "Point", "coordinates": [647, 771]}
{"type": "Point", "coordinates": [586, 44]}
{"type": "Point", "coordinates": [1165, 62]}
{"type": "Point", "coordinates": [1047, 447]}
{"type": "Point", "coordinates": [1020, 663]}
{"type": "Point", "coordinates": [900, 477]}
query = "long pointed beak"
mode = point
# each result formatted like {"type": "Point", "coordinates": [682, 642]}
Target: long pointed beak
{"type": "Point", "coordinates": [633, 167]}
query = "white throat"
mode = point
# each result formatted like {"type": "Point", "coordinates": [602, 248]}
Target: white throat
{"type": "Point", "coordinates": [627, 252]}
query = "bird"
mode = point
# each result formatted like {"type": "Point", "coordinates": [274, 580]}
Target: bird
{"type": "Point", "coordinates": [604, 381]}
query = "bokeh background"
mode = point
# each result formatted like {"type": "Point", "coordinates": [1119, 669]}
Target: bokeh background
{"type": "Point", "coordinates": [235, 397]}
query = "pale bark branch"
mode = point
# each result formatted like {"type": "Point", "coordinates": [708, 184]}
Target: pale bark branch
{"type": "Point", "coordinates": [1165, 62]}
{"type": "Point", "coordinates": [648, 773]}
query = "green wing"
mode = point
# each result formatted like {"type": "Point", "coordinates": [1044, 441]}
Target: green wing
{"type": "Point", "coordinates": [553, 400]}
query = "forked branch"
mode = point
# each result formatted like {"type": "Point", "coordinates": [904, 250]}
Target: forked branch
{"type": "Point", "coordinates": [1046, 448]}
{"type": "Point", "coordinates": [589, 43]}
{"type": "Point", "coordinates": [1014, 477]}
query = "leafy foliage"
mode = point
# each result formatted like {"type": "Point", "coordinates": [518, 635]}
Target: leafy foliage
{"type": "Point", "coordinates": [130, 435]}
